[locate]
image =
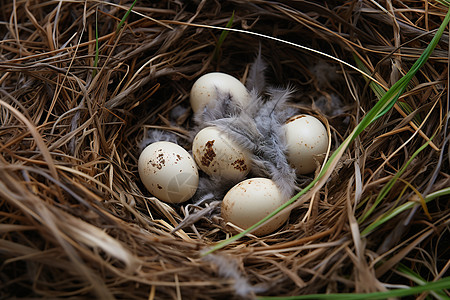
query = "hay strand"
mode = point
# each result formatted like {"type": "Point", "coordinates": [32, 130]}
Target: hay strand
{"type": "Point", "coordinates": [76, 220]}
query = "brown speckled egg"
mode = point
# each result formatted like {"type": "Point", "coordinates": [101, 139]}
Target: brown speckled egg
{"type": "Point", "coordinates": [216, 154]}
{"type": "Point", "coordinates": [250, 201]}
{"type": "Point", "coordinates": [306, 138]}
{"type": "Point", "coordinates": [168, 172]}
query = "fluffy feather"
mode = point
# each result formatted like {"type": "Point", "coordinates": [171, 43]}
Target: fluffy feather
{"type": "Point", "coordinates": [211, 188]}
{"type": "Point", "coordinates": [224, 107]}
{"type": "Point", "coordinates": [259, 129]}
{"type": "Point", "coordinates": [256, 80]}
{"type": "Point", "coordinates": [330, 106]}
{"type": "Point", "coordinates": [256, 126]}
{"type": "Point", "coordinates": [156, 135]}
{"type": "Point", "coordinates": [209, 194]}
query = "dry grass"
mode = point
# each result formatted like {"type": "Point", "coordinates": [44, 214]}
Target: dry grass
{"type": "Point", "coordinates": [77, 222]}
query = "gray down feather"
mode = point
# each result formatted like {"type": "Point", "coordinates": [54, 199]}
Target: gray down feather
{"type": "Point", "coordinates": [257, 127]}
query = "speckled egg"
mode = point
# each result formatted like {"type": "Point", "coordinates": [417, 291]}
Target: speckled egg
{"type": "Point", "coordinates": [306, 138]}
{"type": "Point", "coordinates": [168, 171]}
{"type": "Point", "coordinates": [216, 154]}
{"type": "Point", "coordinates": [250, 201]}
{"type": "Point", "coordinates": [204, 91]}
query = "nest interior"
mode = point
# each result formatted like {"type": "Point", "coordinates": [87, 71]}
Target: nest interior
{"type": "Point", "coordinates": [78, 95]}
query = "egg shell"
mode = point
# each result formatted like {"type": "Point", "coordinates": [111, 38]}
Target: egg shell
{"type": "Point", "coordinates": [216, 154]}
{"type": "Point", "coordinates": [306, 137]}
{"type": "Point", "coordinates": [250, 201]}
{"type": "Point", "coordinates": [168, 171]}
{"type": "Point", "coordinates": [204, 90]}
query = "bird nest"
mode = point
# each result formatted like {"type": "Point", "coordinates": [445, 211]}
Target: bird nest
{"type": "Point", "coordinates": [80, 90]}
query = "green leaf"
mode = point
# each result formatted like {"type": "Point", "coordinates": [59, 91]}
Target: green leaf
{"type": "Point", "coordinates": [119, 26]}
{"type": "Point", "coordinates": [222, 37]}
{"type": "Point", "coordinates": [398, 210]}
{"type": "Point", "coordinates": [380, 92]}
{"type": "Point", "coordinates": [385, 190]}
{"type": "Point", "coordinates": [408, 110]}
{"type": "Point", "coordinates": [410, 274]}
{"type": "Point", "coordinates": [444, 283]}
{"type": "Point", "coordinates": [444, 2]}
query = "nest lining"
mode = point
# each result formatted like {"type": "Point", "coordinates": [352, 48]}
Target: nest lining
{"type": "Point", "coordinates": [76, 221]}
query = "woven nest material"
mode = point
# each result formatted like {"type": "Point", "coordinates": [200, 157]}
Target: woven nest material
{"type": "Point", "coordinates": [76, 220]}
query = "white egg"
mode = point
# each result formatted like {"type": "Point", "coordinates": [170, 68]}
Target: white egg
{"type": "Point", "coordinates": [250, 201]}
{"type": "Point", "coordinates": [306, 138]}
{"type": "Point", "coordinates": [216, 154]}
{"type": "Point", "coordinates": [168, 171]}
{"type": "Point", "coordinates": [204, 91]}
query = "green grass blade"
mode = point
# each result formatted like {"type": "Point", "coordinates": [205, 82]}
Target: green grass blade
{"type": "Point", "coordinates": [410, 274]}
{"type": "Point", "coordinates": [376, 88]}
{"type": "Point", "coordinates": [385, 190]}
{"type": "Point", "coordinates": [439, 285]}
{"type": "Point", "coordinates": [222, 37]}
{"type": "Point", "coordinates": [119, 26]}
{"type": "Point", "coordinates": [387, 100]}
{"type": "Point", "coordinates": [380, 92]}
{"type": "Point", "coordinates": [398, 210]}
{"type": "Point", "coordinates": [397, 89]}
{"type": "Point", "coordinates": [444, 2]}
{"type": "Point", "coordinates": [390, 104]}
{"type": "Point", "coordinates": [408, 110]}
